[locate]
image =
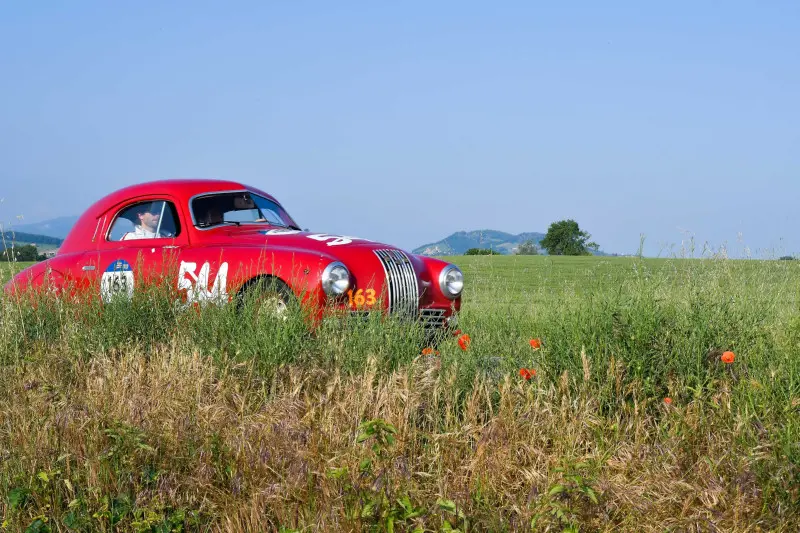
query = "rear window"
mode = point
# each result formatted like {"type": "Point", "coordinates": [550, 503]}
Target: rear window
{"type": "Point", "coordinates": [239, 207]}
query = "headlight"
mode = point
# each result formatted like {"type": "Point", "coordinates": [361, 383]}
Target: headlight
{"type": "Point", "coordinates": [335, 279]}
{"type": "Point", "coordinates": [451, 281]}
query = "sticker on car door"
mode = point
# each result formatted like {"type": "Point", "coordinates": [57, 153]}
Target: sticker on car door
{"type": "Point", "coordinates": [117, 280]}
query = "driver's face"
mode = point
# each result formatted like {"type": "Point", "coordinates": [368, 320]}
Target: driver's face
{"type": "Point", "coordinates": [149, 220]}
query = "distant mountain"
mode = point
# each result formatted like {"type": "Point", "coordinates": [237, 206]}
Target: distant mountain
{"type": "Point", "coordinates": [461, 241]}
{"type": "Point", "coordinates": [20, 237]}
{"type": "Point", "coordinates": [56, 227]}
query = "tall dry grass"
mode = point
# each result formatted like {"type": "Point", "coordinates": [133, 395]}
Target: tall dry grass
{"type": "Point", "coordinates": [139, 417]}
{"type": "Point", "coordinates": [172, 433]}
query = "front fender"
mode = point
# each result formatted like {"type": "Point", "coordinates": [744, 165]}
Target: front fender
{"type": "Point", "coordinates": [215, 271]}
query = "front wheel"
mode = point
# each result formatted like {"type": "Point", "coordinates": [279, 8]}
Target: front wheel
{"type": "Point", "coordinates": [267, 297]}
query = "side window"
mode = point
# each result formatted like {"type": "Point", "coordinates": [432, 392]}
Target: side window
{"type": "Point", "coordinates": [155, 219]}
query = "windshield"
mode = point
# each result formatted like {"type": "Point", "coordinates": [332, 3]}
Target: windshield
{"type": "Point", "coordinates": [240, 207]}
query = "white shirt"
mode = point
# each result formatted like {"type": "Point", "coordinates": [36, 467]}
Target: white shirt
{"type": "Point", "coordinates": [140, 233]}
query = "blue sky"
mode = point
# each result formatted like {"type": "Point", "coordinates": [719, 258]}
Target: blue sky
{"type": "Point", "coordinates": [404, 122]}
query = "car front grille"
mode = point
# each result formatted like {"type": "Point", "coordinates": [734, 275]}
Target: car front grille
{"type": "Point", "coordinates": [401, 283]}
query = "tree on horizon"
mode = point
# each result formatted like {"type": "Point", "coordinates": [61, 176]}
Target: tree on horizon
{"type": "Point", "coordinates": [565, 237]}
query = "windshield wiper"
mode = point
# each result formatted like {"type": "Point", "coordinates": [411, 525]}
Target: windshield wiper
{"type": "Point", "coordinates": [219, 224]}
{"type": "Point", "coordinates": [287, 226]}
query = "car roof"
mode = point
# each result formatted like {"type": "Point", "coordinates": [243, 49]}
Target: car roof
{"type": "Point", "coordinates": [182, 189]}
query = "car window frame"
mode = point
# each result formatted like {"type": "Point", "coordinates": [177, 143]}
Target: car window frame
{"type": "Point", "coordinates": [196, 227]}
{"type": "Point", "coordinates": [181, 238]}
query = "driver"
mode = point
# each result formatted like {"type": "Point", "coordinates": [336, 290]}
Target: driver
{"type": "Point", "coordinates": [148, 217]}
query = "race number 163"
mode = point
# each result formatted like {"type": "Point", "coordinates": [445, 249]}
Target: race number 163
{"type": "Point", "coordinates": [361, 297]}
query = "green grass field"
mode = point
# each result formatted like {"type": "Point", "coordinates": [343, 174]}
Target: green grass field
{"type": "Point", "coordinates": [145, 418]}
{"type": "Point", "coordinates": [9, 269]}
{"type": "Point", "coordinates": [523, 279]}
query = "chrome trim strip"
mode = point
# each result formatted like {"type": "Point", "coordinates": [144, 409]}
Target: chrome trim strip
{"type": "Point", "coordinates": [403, 279]}
{"type": "Point", "coordinates": [393, 283]}
{"type": "Point", "coordinates": [410, 283]}
{"type": "Point", "coordinates": [396, 282]}
{"type": "Point", "coordinates": [390, 275]}
{"type": "Point", "coordinates": [413, 284]}
{"type": "Point", "coordinates": [386, 284]}
{"type": "Point", "coordinates": [97, 227]}
{"type": "Point", "coordinates": [88, 267]}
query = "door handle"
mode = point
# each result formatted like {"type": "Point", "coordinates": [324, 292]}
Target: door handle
{"type": "Point", "coordinates": [88, 267]}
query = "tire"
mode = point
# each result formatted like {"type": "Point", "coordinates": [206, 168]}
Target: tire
{"type": "Point", "coordinates": [267, 295]}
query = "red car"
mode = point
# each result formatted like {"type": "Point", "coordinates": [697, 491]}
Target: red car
{"type": "Point", "coordinates": [214, 240]}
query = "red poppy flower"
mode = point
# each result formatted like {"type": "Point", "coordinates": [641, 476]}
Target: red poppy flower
{"type": "Point", "coordinates": [536, 344]}
{"type": "Point", "coordinates": [463, 342]}
{"type": "Point", "coordinates": [668, 400]}
{"type": "Point", "coordinates": [429, 351]}
{"type": "Point", "coordinates": [728, 358]}
{"type": "Point", "coordinates": [525, 373]}
{"type": "Point", "coordinates": [456, 333]}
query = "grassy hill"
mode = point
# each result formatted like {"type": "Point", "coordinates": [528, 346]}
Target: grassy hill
{"type": "Point", "coordinates": [461, 241]}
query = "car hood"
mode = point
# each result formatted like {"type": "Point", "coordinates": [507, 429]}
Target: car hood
{"type": "Point", "coordinates": [325, 243]}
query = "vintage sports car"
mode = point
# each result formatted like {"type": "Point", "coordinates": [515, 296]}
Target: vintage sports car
{"type": "Point", "coordinates": [215, 240]}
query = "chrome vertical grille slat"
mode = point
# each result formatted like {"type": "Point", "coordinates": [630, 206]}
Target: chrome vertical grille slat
{"type": "Point", "coordinates": [389, 286]}
{"type": "Point", "coordinates": [410, 284]}
{"type": "Point", "coordinates": [391, 274]}
{"type": "Point", "coordinates": [391, 280]}
{"type": "Point", "coordinates": [404, 285]}
{"type": "Point", "coordinates": [401, 282]}
{"type": "Point", "coordinates": [398, 287]}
